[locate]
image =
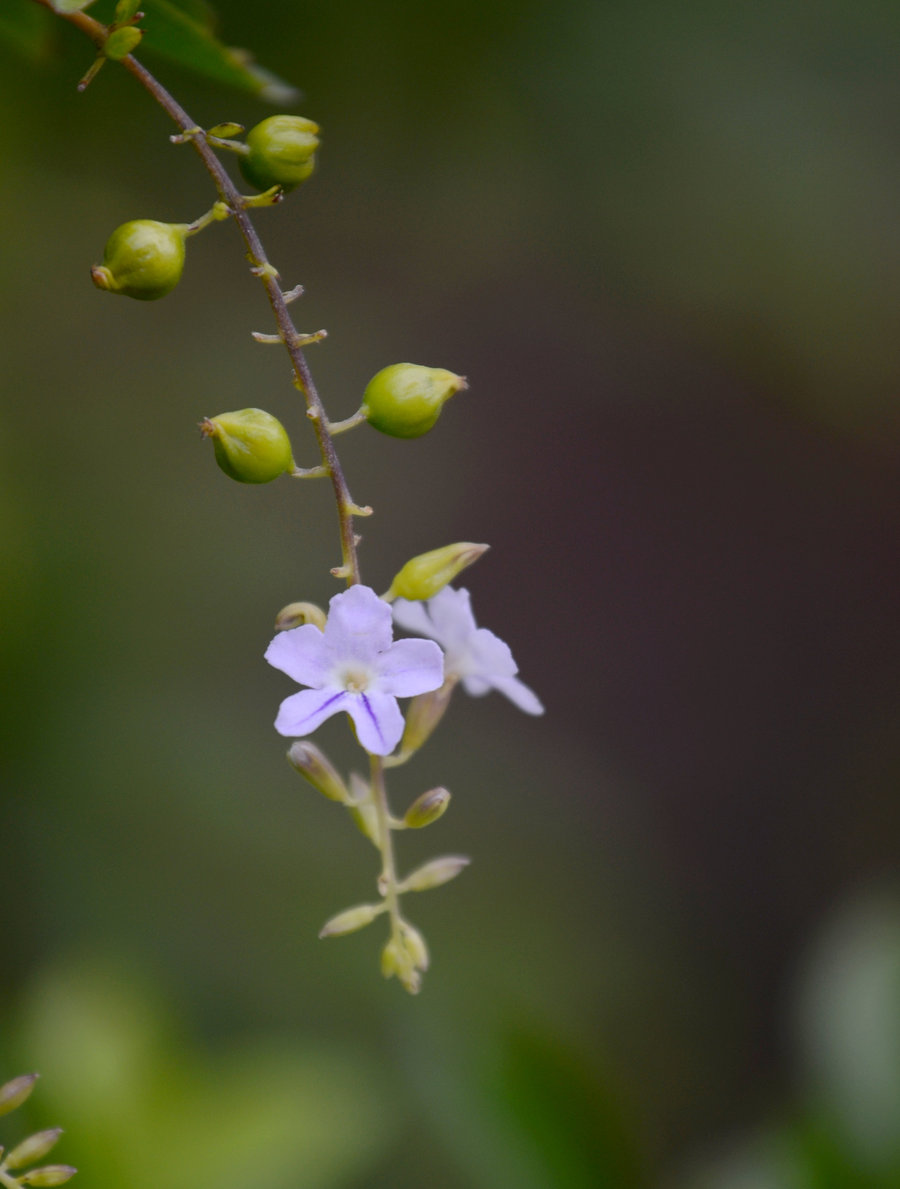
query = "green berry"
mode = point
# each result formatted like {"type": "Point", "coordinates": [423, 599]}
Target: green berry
{"type": "Point", "coordinates": [142, 259]}
{"type": "Point", "coordinates": [250, 445]}
{"type": "Point", "coordinates": [405, 399]}
{"type": "Point", "coordinates": [281, 152]}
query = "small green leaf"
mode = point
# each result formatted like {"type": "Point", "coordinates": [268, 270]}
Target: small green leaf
{"type": "Point", "coordinates": [183, 32]}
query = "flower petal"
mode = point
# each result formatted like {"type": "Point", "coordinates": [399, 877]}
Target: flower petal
{"type": "Point", "coordinates": [412, 615]}
{"type": "Point", "coordinates": [410, 667]}
{"type": "Point", "coordinates": [452, 621]}
{"type": "Point", "coordinates": [302, 654]}
{"type": "Point", "coordinates": [359, 624]}
{"type": "Point", "coordinates": [378, 721]}
{"type": "Point", "coordinates": [301, 713]}
{"type": "Point", "coordinates": [485, 655]}
{"type": "Point", "coordinates": [519, 694]}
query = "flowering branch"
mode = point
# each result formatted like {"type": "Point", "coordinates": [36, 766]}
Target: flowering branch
{"type": "Point", "coordinates": [347, 659]}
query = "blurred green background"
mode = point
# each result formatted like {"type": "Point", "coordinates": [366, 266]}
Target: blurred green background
{"type": "Point", "coordinates": [662, 241]}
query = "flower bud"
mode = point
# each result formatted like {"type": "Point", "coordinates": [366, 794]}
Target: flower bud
{"type": "Point", "coordinates": [423, 576]}
{"type": "Point", "coordinates": [294, 615]}
{"type": "Point", "coordinates": [404, 956]}
{"type": "Point", "coordinates": [424, 713]}
{"type": "Point", "coordinates": [362, 809]}
{"type": "Point", "coordinates": [142, 259]}
{"type": "Point", "coordinates": [14, 1093]}
{"type": "Point", "coordinates": [350, 920]}
{"type": "Point", "coordinates": [433, 874]}
{"type": "Point", "coordinates": [415, 945]}
{"type": "Point", "coordinates": [427, 808]}
{"type": "Point", "coordinates": [49, 1175]}
{"type": "Point", "coordinates": [125, 10]}
{"type": "Point", "coordinates": [396, 962]}
{"type": "Point", "coordinates": [33, 1148]}
{"type": "Point", "coordinates": [281, 152]}
{"type": "Point", "coordinates": [250, 445]}
{"type": "Point", "coordinates": [405, 399]}
{"type": "Point", "coordinates": [315, 767]}
{"type": "Point", "coordinates": [121, 42]}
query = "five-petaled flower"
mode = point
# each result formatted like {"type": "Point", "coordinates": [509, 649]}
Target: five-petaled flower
{"type": "Point", "coordinates": [473, 655]}
{"type": "Point", "coordinates": [353, 666]}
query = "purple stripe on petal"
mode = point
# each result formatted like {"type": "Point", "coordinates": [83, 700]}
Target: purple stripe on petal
{"type": "Point", "coordinates": [375, 723]}
{"type": "Point", "coordinates": [378, 721]}
{"type": "Point", "coordinates": [301, 713]}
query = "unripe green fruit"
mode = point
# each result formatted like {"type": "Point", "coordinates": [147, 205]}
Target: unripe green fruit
{"type": "Point", "coordinates": [250, 445]}
{"type": "Point", "coordinates": [282, 152]}
{"type": "Point", "coordinates": [405, 399]}
{"type": "Point", "coordinates": [142, 259]}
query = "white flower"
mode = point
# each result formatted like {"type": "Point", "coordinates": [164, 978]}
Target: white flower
{"type": "Point", "coordinates": [353, 666]}
{"type": "Point", "coordinates": [472, 654]}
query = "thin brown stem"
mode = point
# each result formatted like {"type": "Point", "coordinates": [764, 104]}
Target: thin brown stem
{"type": "Point", "coordinates": [256, 254]}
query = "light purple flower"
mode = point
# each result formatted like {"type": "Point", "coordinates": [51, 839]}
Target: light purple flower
{"type": "Point", "coordinates": [473, 654]}
{"type": "Point", "coordinates": [354, 667]}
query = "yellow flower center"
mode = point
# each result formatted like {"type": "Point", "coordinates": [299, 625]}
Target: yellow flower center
{"type": "Point", "coordinates": [356, 681]}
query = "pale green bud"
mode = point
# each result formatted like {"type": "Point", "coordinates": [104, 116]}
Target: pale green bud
{"type": "Point", "coordinates": [396, 963]}
{"type": "Point", "coordinates": [351, 919]}
{"type": "Point", "coordinates": [434, 873]}
{"type": "Point", "coordinates": [142, 259]}
{"type": "Point", "coordinates": [294, 615]}
{"type": "Point", "coordinates": [125, 10]}
{"type": "Point", "coordinates": [14, 1093]}
{"type": "Point", "coordinates": [424, 713]}
{"type": "Point", "coordinates": [314, 766]}
{"type": "Point", "coordinates": [404, 957]}
{"type": "Point", "coordinates": [121, 42]}
{"type": "Point", "coordinates": [405, 399]}
{"type": "Point", "coordinates": [367, 820]}
{"type": "Point", "coordinates": [391, 957]}
{"type": "Point", "coordinates": [251, 445]}
{"type": "Point", "coordinates": [363, 810]}
{"type": "Point", "coordinates": [423, 576]}
{"type": "Point", "coordinates": [427, 808]}
{"type": "Point", "coordinates": [281, 152]}
{"type": "Point", "coordinates": [49, 1175]}
{"type": "Point", "coordinates": [415, 945]}
{"type": "Point", "coordinates": [33, 1148]}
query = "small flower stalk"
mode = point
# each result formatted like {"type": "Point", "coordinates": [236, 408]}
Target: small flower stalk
{"type": "Point", "coordinates": [392, 692]}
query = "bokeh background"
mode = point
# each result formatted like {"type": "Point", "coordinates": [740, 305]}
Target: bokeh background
{"type": "Point", "coordinates": [662, 241]}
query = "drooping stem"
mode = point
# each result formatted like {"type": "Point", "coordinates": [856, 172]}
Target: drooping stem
{"type": "Point", "coordinates": [256, 254]}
